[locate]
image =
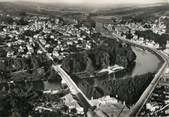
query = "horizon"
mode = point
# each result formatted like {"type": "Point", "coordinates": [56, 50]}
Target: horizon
{"type": "Point", "coordinates": [93, 2]}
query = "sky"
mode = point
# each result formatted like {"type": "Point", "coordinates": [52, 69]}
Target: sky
{"type": "Point", "coordinates": [96, 1]}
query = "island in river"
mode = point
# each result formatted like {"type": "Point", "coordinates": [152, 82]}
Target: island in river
{"type": "Point", "coordinates": [107, 53]}
{"type": "Point", "coordinates": [24, 81]}
{"type": "Point", "coordinates": [126, 85]}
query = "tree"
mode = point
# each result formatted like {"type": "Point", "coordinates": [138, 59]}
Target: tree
{"type": "Point", "coordinates": [9, 20]}
{"type": "Point", "coordinates": [22, 21]}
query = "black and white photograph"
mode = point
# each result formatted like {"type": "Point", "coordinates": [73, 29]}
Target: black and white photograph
{"type": "Point", "coordinates": [84, 58]}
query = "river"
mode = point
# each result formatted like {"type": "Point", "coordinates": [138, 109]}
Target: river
{"type": "Point", "coordinates": [145, 62]}
{"type": "Point", "coordinates": [122, 89]}
{"type": "Point", "coordinates": [116, 86]}
{"type": "Point", "coordinates": [96, 88]}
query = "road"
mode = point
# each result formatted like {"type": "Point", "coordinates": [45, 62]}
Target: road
{"type": "Point", "coordinates": [70, 83]}
{"type": "Point", "coordinates": [142, 100]}
{"type": "Point", "coordinates": [147, 93]}
{"type": "Point", "coordinates": [75, 91]}
{"type": "Point", "coordinates": [72, 86]}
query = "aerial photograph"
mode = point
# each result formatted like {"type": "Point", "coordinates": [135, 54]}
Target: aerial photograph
{"type": "Point", "coordinates": [84, 58]}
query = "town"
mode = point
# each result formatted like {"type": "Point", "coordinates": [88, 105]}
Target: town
{"type": "Point", "coordinates": [83, 63]}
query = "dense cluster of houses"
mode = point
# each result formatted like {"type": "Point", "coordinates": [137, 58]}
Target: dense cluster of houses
{"type": "Point", "coordinates": [57, 37]}
{"type": "Point", "coordinates": [157, 27]}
